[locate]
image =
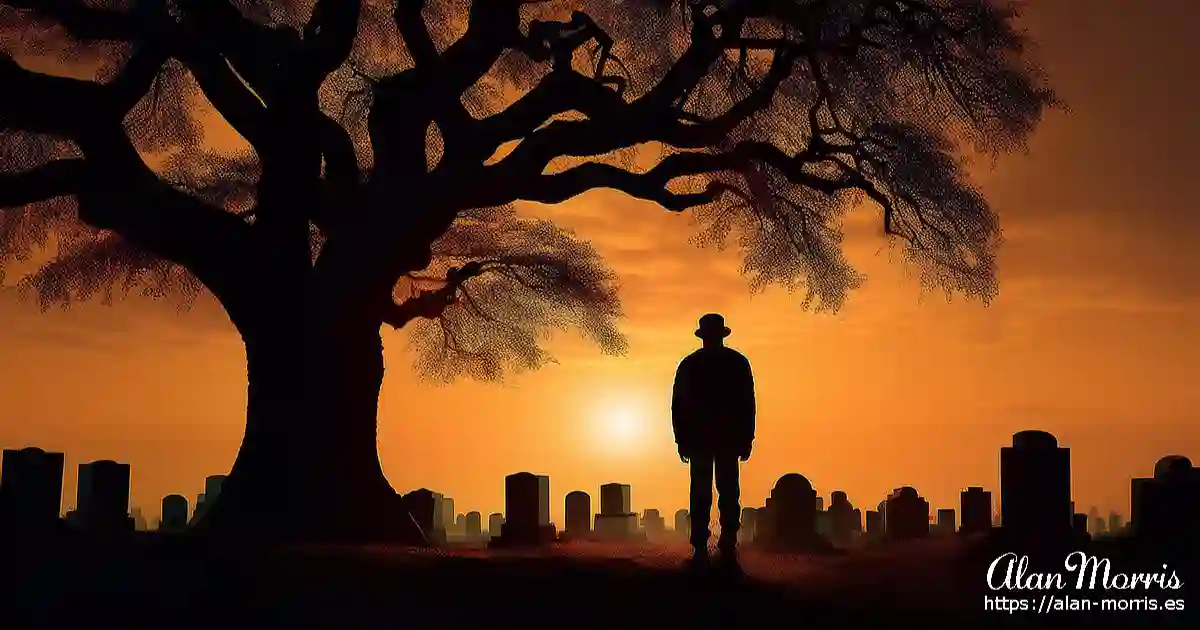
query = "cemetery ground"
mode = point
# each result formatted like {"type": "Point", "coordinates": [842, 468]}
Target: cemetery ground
{"type": "Point", "coordinates": [165, 582]}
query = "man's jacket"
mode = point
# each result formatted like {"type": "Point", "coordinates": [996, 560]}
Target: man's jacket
{"type": "Point", "coordinates": [712, 406]}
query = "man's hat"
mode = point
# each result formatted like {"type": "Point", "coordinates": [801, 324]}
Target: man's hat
{"type": "Point", "coordinates": [712, 325]}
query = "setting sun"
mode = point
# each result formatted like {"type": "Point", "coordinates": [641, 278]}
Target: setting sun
{"type": "Point", "coordinates": [620, 428]}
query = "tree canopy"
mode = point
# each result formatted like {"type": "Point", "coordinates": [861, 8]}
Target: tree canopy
{"type": "Point", "coordinates": [768, 119]}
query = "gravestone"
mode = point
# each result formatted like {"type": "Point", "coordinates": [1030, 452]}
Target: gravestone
{"type": "Point", "coordinates": [174, 515]}
{"type": "Point", "coordinates": [793, 507]}
{"type": "Point", "coordinates": [616, 520]}
{"type": "Point", "coordinates": [425, 505]}
{"type": "Point", "coordinates": [906, 516]}
{"type": "Point", "coordinates": [845, 521]}
{"type": "Point", "coordinates": [473, 529]}
{"type": "Point", "coordinates": [578, 515]}
{"type": "Point", "coordinates": [525, 516]}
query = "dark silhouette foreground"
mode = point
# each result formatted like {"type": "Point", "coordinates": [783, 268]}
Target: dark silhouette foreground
{"type": "Point", "coordinates": [712, 413]}
{"type": "Point", "coordinates": [152, 581]}
{"type": "Point", "coordinates": [375, 181]}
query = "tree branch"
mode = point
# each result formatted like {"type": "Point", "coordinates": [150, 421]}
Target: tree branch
{"type": "Point", "coordinates": [329, 35]}
{"type": "Point", "coordinates": [652, 185]}
{"type": "Point", "coordinates": [46, 104]}
{"type": "Point", "coordinates": [56, 178]}
{"type": "Point", "coordinates": [92, 23]}
{"type": "Point", "coordinates": [429, 304]}
{"type": "Point", "coordinates": [493, 26]}
{"type": "Point", "coordinates": [115, 188]}
{"type": "Point", "coordinates": [410, 21]}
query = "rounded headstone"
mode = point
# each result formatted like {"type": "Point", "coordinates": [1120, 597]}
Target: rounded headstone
{"type": "Point", "coordinates": [1171, 464]}
{"type": "Point", "coordinates": [1034, 440]}
{"type": "Point", "coordinates": [793, 482]}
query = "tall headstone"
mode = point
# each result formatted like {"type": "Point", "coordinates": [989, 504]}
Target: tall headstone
{"type": "Point", "coordinates": [543, 500]}
{"type": "Point", "coordinates": [616, 520]}
{"type": "Point", "coordinates": [208, 498]}
{"type": "Point", "coordinates": [495, 525]}
{"type": "Point", "coordinates": [446, 515]}
{"type": "Point", "coordinates": [906, 516]}
{"type": "Point", "coordinates": [1079, 523]}
{"type": "Point", "coordinates": [845, 521]}
{"type": "Point", "coordinates": [1035, 489]}
{"type": "Point", "coordinates": [615, 498]}
{"type": "Point", "coordinates": [103, 497]}
{"type": "Point", "coordinates": [578, 514]}
{"type": "Point", "coordinates": [526, 506]}
{"type": "Point", "coordinates": [874, 525]}
{"type": "Point", "coordinates": [945, 524]}
{"type": "Point", "coordinates": [174, 516]}
{"type": "Point", "coordinates": [1169, 505]}
{"type": "Point", "coordinates": [425, 507]}
{"type": "Point", "coordinates": [474, 525]}
{"type": "Point", "coordinates": [682, 524]}
{"type": "Point", "coordinates": [975, 510]}
{"type": "Point", "coordinates": [30, 489]}
{"type": "Point", "coordinates": [213, 485]}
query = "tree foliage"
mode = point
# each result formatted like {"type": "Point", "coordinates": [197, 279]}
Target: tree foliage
{"type": "Point", "coordinates": [768, 119]}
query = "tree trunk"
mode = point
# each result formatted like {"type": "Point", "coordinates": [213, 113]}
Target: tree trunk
{"type": "Point", "coordinates": [308, 468]}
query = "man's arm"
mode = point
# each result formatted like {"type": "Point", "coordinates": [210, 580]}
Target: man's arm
{"type": "Point", "coordinates": [680, 420]}
{"type": "Point", "coordinates": [750, 409]}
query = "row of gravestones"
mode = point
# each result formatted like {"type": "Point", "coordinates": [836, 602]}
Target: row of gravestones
{"type": "Point", "coordinates": [786, 523]}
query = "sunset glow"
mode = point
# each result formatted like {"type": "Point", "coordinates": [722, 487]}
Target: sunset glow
{"type": "Point", "coordinates": [620, 428]}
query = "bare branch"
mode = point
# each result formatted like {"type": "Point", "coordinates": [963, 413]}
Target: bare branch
{"type": "Point", "coordinates": [50, 105]}
{"type": "Point", "coordinates": [652, 185]}
{"type": "Point", "coordinates": [115, 188]}
{"type": "Point", "coordinates": [53, 179]}
{"type": "Point", "coordinates": [94, 23]}
{"type": "Point", "coordinates": [536, 279]}
{"type": "Point", "coordinates": [432, 303]}
{"type": "Point", "coordinates": [411, 23]}
{"type": "Point", "coordinates": [329, 35]}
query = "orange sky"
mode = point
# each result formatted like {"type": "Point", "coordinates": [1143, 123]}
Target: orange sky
{"type": "Point", "coordinates": [1095, 336]}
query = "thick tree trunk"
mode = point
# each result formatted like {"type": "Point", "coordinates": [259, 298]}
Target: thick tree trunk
{"type": "Point", "coordinates": [308, 468]}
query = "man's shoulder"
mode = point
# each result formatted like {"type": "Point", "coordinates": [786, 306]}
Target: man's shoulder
{"type": "Point", "coordinates": [734, 355]}
{"type": "Point", "coordinates": [709, 355]}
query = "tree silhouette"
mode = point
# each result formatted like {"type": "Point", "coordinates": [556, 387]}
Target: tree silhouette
{"type": "Point", "coordinates": [385, 143]}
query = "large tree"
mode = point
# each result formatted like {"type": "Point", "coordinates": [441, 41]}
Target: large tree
{"type": "Point", "coordinates": [384, 146]}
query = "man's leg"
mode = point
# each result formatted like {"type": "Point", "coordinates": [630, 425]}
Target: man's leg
{"type": "Point", "coordinates": [701, 502]}
{"type": "Point", "coordinates": [728, 501]}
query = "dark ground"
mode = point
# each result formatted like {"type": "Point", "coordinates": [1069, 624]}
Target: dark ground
{"type": "Point", "coordinates": [149, 581]}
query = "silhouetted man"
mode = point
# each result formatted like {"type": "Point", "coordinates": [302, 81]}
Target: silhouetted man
{"type": "Point", "coordinates": [712, 410]}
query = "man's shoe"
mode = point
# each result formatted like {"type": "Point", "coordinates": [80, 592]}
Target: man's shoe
{"type": "Point", "coordinates": [727, 560]}
{"type": "Point", "coordinates": [699, 560]}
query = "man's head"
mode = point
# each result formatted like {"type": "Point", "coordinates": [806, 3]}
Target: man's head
{"type": "Point", "coordinates": [712, 330]}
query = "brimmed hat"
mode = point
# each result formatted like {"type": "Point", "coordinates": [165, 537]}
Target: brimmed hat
{"type": "Point", "coordinates": [712, 325]}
